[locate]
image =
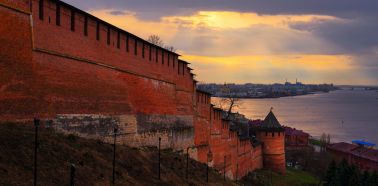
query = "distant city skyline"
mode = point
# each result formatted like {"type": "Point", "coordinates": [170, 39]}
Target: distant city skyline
{"type": "Point", "coordinates": [333, 41]}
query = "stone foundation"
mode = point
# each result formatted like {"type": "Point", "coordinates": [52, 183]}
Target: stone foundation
{"type": "Point", "coordinates": [176, 132]}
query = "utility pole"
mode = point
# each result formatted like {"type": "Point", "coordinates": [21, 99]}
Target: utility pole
{"type": "Point", "coordinates": [224, 168]}
{"type": "Point", "coordinates": [207, 171]}
{"type": "Point", "coordinates": [237, 169]}
{"type": "Point", "coordinates": [36, 125]}
{"type": "Point", "coordinates": [72, 177]}
{"type": "Point", "coordinates": [114, 153]}
{"type": "Point", "coordinates": [237, 158]}
{"type": "Point", "coordinates": [159, 157]}
{"type": "Point", "coordinates": [209, 158]}
{"type": "Point", "coordinates": [187, 163]}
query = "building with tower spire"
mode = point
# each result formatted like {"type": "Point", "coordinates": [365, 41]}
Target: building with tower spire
{"type": "Point", "coordinates": [272, 135]}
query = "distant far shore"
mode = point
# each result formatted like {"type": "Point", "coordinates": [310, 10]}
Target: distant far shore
{"type": "Point", "coordinates": [261, 91]}
{"type": "Point", "coordinates": [274, 96]}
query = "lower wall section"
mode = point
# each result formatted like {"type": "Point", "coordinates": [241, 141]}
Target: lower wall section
{"type": "Point", "coordinates": [176, 132]}
{"type": "Point", "coordinates": [275, 162]}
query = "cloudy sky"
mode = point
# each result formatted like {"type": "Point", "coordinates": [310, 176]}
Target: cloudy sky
{"type": "Point", "coordinates": [258, 41]}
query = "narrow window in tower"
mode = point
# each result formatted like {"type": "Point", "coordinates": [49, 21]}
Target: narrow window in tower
{"type": "Point", "coordinates": [72, 20]}
{"type": "Point", "coordinates": [41, 9]}
{"type": "Point", "coordinates": [98, 31]}
{"type": "Point", "coordinates": [143, 50]}
{"type": "Point", "coordinates": [108, 36]}
{"type": "Point", "coordinates": [162, 57]}
{"type": "Point", "coordinates": [174, 61]}
{"type": "Point", "coordinates": [157, 55]}
{"type": "Point", "coordinates": [272, 134]}
{"type": "Point", "coordinates": [127, 43]}
{"type": "Point", "coordinates": [168, 58]}
{"type": "Point", "coordinates": [279, 133]}
{"type": "Point", "coordinates": [150, 53]}
{"type": "Point", "coordinates": [86, 26]}
{"type": "Point", "coordinates": [266, 133]}
{"type": "Point", "coordinates": [135, 47]}
{"type": "Point", "coordinates": [57, 13]}
{"type": "Point", "coordinates": [118, 40]}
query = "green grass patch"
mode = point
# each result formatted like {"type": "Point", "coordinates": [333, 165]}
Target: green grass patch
{"type": "Point", "coordinates": [293, 177]}
{"type": "Point", "coordinates": [315, 142]}
{"type": "Point", "coordinates": [298, 177]}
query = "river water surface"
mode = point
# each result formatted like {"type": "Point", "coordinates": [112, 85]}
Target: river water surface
{"type": "Point", "coordinates": [344, 114]}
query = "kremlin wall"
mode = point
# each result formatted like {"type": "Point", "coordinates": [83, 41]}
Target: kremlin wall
{"type": "Point", "coordinates": [85, 76]}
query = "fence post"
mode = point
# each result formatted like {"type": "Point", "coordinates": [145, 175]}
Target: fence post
{"type": "Point", "coordinates": [36, 125]}
{"type": "Point", "coordinates": [209, 156]}
{"type": "Point", "coordinates": [159, 157]}
{"type": "Point", "coordinates": [187, 163]}
{"type": "Point", "coordinates": [207, 172]}
{"type": "Point", "coordinates": [224, 168]}
{"type": "Point", "coordinates": [72, 177]}
{"type": "Point", "coordinates": [237, 171]}
{"type": "Point", "coordinates": [114, 153]}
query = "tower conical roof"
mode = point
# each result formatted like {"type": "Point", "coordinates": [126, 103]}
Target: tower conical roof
{"type": "Point", "coordinates": [271, 123]}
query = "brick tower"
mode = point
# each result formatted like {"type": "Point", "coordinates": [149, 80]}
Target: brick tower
{"type": "Point", "coordinates": [272, 135]}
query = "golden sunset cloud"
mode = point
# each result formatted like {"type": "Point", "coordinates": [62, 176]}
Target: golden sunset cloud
{"type": "Point", "coordinates": [246, 47]}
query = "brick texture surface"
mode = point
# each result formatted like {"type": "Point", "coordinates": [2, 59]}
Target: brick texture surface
{"type": "Point", "coordinates": [87, 86]}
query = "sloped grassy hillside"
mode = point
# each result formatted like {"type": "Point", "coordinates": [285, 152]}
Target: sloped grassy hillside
{"type": "Point", "coordinates": [93, 160]}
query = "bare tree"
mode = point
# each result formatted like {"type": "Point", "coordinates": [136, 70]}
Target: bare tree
{"type": "Point", "coordinates": [325, 139]}
{"type": "Point", "coordinates": [156, 40]}
{"type": "Point", "coordinates": [328, 139]}
{"type": "Point", "coordinates": [228, 102]}
{"type": "Point", "coordinates": [170, 48]}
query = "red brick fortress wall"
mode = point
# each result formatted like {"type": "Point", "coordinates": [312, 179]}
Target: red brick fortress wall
{"type": "Point", "coordinates": [73, 67]}
{"type": "Point", "coordinates": [230, 155]}
{"type": "Point", "coordinates": [87, 76]}
{"type": "Point", "coordinates": [59, 60]}
{"type": "Point", "coordinates": [16, 69]}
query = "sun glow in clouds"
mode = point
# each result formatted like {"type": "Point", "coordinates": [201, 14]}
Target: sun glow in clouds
{"type": "Point", "coordinates": [242, 69]}
{"type": "Point", "coordinates": [247, 47]}
{"type": "Point", "coordinates": [236, 20]}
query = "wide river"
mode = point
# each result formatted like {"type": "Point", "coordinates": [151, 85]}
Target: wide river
{"type": "Point", "coordinates": [344, 114]}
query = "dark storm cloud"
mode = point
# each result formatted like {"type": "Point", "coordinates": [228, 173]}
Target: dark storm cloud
{"type": "Point", "coordinates": [357, 34]}
{"type": "Point", "coordinates": [117, 12]}
{"type": "Point", "coordinates": [153, 9]}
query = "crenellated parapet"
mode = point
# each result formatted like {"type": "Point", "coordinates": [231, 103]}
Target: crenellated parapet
{"type": "Point", "coordinates": [61, 29]}
{"type": "Point", "coordinates": [70, 61]}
